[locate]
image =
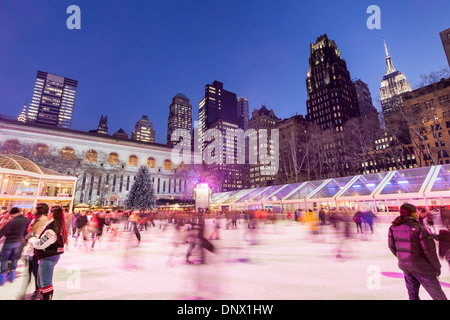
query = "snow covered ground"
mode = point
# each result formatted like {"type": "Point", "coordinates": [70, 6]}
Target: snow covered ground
{"type": "Point", "coordinates": [282, 261]}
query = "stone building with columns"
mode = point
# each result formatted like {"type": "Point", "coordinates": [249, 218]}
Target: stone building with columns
{"type": "Point", "coordinates": [105, 165]}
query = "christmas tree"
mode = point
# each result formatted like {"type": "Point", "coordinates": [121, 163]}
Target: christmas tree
{"type": "Point", "coordinates": [142, 194]}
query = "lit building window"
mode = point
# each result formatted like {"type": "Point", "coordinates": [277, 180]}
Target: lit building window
{"type": "Point", "coordinates": [40, 150]}
{"type": "Point", "coordinates": [133, 161]}
{"type": "Point", "coordinates": [113, 158]}
{"type": "Point", "coordinates": [67, 153]}
{"type": "Point", "coordinates": [91, 156]}
{"type": "Point", "coordinates": [151, 163]}
{"type": "Point", "coordinates": [167, 164]}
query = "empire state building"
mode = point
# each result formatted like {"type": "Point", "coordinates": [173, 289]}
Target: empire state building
{"type": "Point", "coordinates": [393, 84]}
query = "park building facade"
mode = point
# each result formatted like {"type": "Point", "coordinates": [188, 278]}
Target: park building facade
{"type": "Point", "coordinates": [105, 166]}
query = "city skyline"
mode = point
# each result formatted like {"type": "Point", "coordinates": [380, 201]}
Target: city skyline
{"type": "Point", "coordinates": [133, 57]}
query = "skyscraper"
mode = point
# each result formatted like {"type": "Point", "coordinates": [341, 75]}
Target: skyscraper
{"type": "Point", "coordinates": [231, 176]}
{"type": "Point", "coordinates": [261, 119]}
{"type": "Point", "coordinates": [393, 84]}
{"type": "Point", "coordinates": [363, 98]}
{"type": "Point", "coordinates": [445, 38]}
{"type": "Point", "coordinates": [218, 110]}
{"type": "Point", "coordinates": [331, 102]}
{"type": "Point", "coordinates": [243, 113]}
{"type": "Point", "coordinates": [180, 116]}
{"type": "Point", "coordinates": [330, 99]}
{"type": "Point", "coordinates": [217, 104]}
{"type": "Point", "coordinates": [53, 100]}
{"type": "Point", "coordinates": [143, 130]}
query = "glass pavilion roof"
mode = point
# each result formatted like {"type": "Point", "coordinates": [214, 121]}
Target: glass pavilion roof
{"type": "Point", "coordinates": [19, 163]}
{"type": "Point", "coordinates": [425, 181]}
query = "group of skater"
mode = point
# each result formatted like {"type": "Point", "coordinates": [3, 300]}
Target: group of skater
{"type": "Point", "coordinates": [91, 225]}
{"type": "Point", "coordinates": [38, 237]}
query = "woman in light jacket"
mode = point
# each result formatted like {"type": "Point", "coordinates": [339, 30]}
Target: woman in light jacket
{"type": "Point", "coordinates": [48, 248]}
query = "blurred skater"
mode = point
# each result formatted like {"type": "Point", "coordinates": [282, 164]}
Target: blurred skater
{"type": "Point", "coordinates": [179, 237]}
{"type": "Point", "coordinates": [443, 238]}
{"type": "Point", "coordinates": [113, 223]}
{"type": "Point", "coordinates": [134, 220]}
{"type": "Point", "coordinates": [250, 233]}
{"type": "Point", "coordinates": [445, 216]}
{"type": "Point", "coordinates": [343, 233]}
{"type": "Point", "coordinates": [69, 221]}
{"type": "Point", "coordinates": [99, 222]}
{"type": "Point", "coordinates": [14, 232]}
{"type": "Point", "coordinates": [81, 225]}
{"type": "Point", "coordinates": [368, 219]}
{"type": "Point", "coordinates": [358, 219]}
{"type": "Point", "coordinates": [197, 239]}
{"type": "Point", "coordinates": [415, 250]}
{"type": "Point", "coordinates": [215, 234]}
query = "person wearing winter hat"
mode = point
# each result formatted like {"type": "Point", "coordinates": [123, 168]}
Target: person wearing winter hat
{"type": "Point", "coordinates": [14, 232]}
{"type": "Point", "coordinates": [415, 250]}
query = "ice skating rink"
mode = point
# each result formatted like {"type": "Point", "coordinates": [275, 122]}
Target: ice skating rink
{"type": "Point", "coordinates": [281, 261]}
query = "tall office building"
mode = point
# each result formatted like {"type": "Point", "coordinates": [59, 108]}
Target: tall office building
{"type": "Point", "coordinates": [218, 110]}
{"type": "Point", "coordinates": [261, 119]}
{"type": "Point", "coordinates": [395, 143]}
{"type": "Point", "coordinates": [231, 176]}
{"type": "Point", "coordinates": [180, 117]}
{"type": "Point", "coordinates": [445, 38]}
{"type": "Point", "coordinates": [53, 100]}
{"type": "Point", "coordinates": [243, 113]}
{"type": "Point", "coordinates": [393, 84]}
{"type": "Point", "coordinates": [217, 104]}
{"type": "Point", "coordinates": [330, 100]}
{"type": "Point", "coordinates": [143, 130]}
{"type": "Point", "coordinates": [363, 98]}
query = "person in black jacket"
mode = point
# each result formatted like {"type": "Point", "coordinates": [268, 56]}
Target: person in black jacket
{"type": "Point", "coordinates": [81, 224]}
{"type": "Point", "coordinates": [415, 250]}
{"type": "Point", "coordinates": [14, 232]}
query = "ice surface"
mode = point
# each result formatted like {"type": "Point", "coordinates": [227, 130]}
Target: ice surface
{"type": "Point", "coordinates": [282, 261]}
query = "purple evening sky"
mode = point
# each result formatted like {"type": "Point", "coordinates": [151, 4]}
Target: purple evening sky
{"type": "Point", "coordinates": [132, 57]}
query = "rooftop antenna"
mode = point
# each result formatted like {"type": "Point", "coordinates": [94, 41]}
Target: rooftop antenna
{"type": "Point", "coordinates": [385, 47]}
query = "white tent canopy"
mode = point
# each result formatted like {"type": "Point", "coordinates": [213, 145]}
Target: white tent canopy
{"type": "Point", "coordinates": [381, 192]}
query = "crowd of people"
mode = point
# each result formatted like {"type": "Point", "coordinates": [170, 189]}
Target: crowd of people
{"type": "Point", "coordinates": [40, 236]}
